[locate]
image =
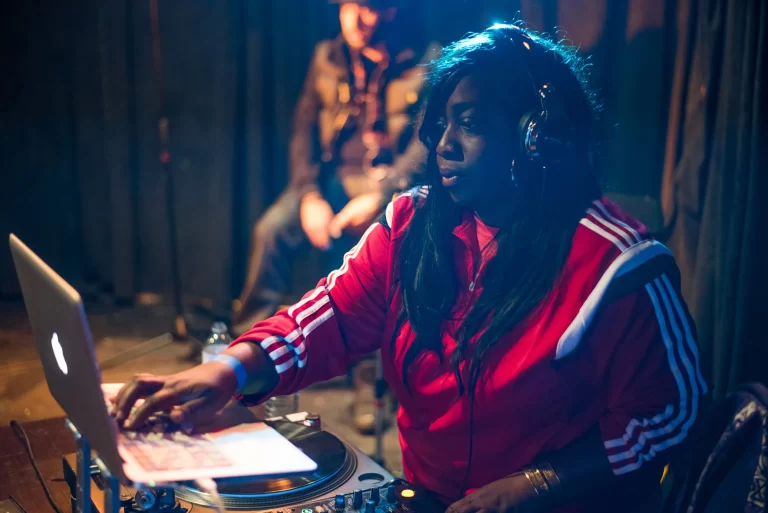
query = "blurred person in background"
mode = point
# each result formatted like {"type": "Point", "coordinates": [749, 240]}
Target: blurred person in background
{"type": "Point", "coordinates": [353, 146]}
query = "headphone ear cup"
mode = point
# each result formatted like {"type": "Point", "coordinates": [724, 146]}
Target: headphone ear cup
{"type": "Point", "coordinates": [529, 131]}
{"type": "Point", "coordinates": [545, 137]}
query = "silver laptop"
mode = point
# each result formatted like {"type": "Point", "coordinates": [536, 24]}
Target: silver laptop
{"type": "Point", "coordinates": [66, 349]}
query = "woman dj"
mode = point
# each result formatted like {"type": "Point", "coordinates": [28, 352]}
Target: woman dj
{"type": "Point", "coordinates": [532, 332]}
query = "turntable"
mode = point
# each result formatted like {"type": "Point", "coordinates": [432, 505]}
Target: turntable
{"type": "Point", "coordinates": [345, 481]}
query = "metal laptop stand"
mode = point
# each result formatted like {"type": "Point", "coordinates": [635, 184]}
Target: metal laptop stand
{"type": "Point", "coordinates": [111, 484]}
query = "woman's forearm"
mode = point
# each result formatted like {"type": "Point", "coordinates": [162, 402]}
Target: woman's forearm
{"type": "Point", "coordinates": [583, 469]}
{"type": "Point", "coordinates": [582, 465]}
{"type": "Point", "coordinates": [581, 472]}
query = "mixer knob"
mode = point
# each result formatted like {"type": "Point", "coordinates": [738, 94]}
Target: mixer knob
{"type": "Point", "coordinates": [370, 506]}
{"type": "Point", "coordinates": [357, 499]}
{"type": "Point", "coordinates": [340, 503]}
{"type": "Point", "coordinates": [391, 494]}
{"type": "Point", "coordinates": [312, 420]}
{"type": "Point", "coordinates": [375, 497]}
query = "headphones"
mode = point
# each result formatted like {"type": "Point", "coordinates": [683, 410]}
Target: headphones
{"type": "Point", "coordinates": [544, 134]}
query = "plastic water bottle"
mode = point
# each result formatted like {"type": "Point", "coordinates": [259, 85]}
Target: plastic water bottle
{"type": "Point", "coordinates": [282, 405]}
{"type": "Point", "coordinates": [216, 342]}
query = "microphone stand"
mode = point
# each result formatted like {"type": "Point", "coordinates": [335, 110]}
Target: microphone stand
{"type": "Point", "coordinates": [179, 329]}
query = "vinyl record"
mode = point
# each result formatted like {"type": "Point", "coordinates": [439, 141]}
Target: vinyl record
{"type": "Point", "coordinates": [335, 465]}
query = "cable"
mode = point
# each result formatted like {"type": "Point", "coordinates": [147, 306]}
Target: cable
{"type": "Point", "coordinates": [208, 486]}
{"type": "Point", "coordinates": [19, 431]}
{"type": "Point", "coordinates": [13, 500]}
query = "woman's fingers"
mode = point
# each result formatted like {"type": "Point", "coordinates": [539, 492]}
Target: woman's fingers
{"type": "Point", "coordinates": [192, 394]}
{"type": "Point", "coordinates": [195, 412]}
{"type": "Point", "coordinates": [163, 400]}
{"type": "Point", "coordinates": [465, 505]}
{"type": "Point", "coordinates": [141, 386]}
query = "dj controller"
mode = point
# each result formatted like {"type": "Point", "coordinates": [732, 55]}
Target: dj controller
{"type": "Point", "coordinates": [345, 481]}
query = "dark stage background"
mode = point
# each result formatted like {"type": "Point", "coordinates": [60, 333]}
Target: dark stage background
{"type": "Point", "coordinates": [81, 180]}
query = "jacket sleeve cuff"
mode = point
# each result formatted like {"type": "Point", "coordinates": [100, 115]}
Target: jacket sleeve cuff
{"type": "Point", "coordinates": [276, 351]}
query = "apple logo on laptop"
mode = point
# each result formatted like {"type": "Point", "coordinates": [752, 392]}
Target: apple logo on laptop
{"type": "Point", "coordinates": [58, 352]}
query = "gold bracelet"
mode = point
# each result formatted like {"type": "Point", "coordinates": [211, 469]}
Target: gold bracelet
{"type": "Point", "coordinates": [535, 477]}
{"type": "Point", "coordinates": [551, 477]}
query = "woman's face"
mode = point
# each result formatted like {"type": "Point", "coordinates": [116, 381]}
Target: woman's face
{"type": "Point", "coordinates": [477, 147]}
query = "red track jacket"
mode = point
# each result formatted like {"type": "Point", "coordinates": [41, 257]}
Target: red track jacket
{"type": "Point", "coordinates": [612, 345]}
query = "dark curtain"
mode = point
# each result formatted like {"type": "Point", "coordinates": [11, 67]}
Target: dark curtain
{"type": "Point", "coordinates": [81, 180]}
{"type": "Point", "coordinates": [716, 181]}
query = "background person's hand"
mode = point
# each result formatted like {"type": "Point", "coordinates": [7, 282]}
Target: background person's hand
{"type": "Point", "coordinates": [191, 396]}
{"type": "Point", "coordinates": [316, 215]}
{"type": "Point", "coordinates": [357, 215]}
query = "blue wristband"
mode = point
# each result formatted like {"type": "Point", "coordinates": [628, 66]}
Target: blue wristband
{"type": "Point", "coordinates": [237, 366]}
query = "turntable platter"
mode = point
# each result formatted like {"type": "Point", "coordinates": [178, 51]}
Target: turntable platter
{"type": "Point", "coordinates": [335, 464]}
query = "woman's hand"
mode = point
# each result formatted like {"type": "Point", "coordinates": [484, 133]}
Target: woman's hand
{"type": "Point", "coordinates": [509, 495]}
{"type": "Point", "coordinates": [191, 396]}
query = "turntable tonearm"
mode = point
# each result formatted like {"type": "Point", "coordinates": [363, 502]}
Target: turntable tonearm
{"type": "Point", "coordinates": [346, 481]}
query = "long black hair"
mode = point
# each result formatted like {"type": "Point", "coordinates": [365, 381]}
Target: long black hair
{"type": "Point", "coordinates": [533, 245]}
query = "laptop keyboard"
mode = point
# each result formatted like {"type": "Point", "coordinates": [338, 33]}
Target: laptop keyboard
{"type": "Point", "coordinates": [172, 451]}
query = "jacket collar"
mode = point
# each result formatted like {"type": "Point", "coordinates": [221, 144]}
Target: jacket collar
{"type": "Point", "coordinates": [466, 230]}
